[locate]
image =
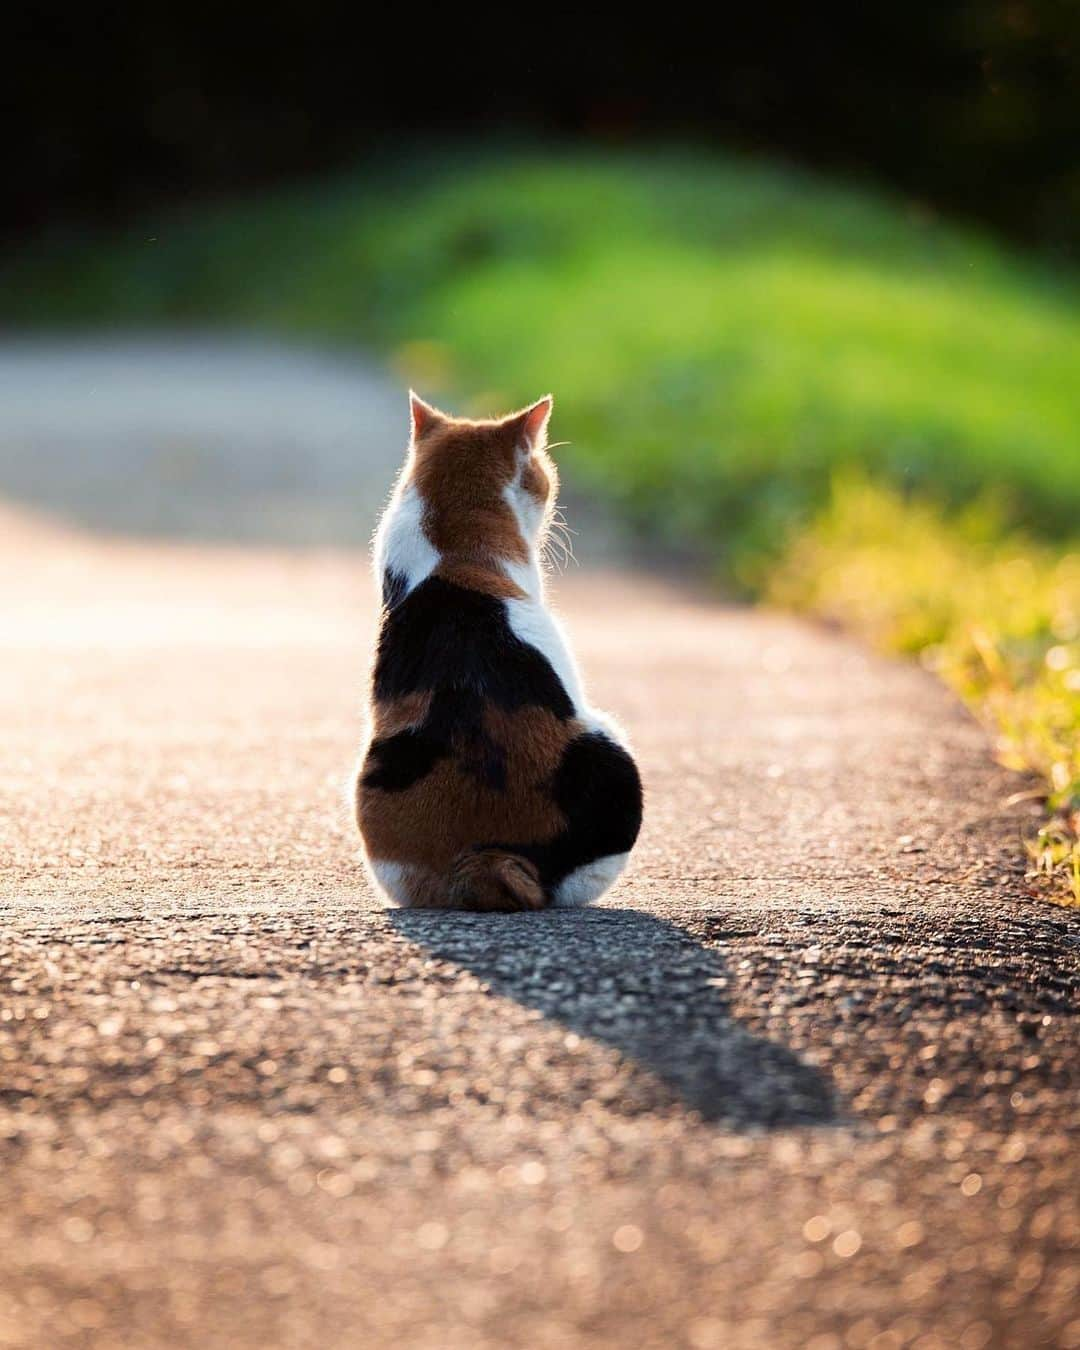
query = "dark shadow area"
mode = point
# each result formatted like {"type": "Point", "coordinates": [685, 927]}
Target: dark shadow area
{"type": "Point", "coordinates": [646, 988]}
{"type": "Point", "coordinates": [964, 105]}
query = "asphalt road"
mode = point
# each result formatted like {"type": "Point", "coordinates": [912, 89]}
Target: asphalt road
{"type": "Point", "coordinates": [808, 1078]}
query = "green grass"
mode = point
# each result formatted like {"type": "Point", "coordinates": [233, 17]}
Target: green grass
{"type": "Point", "coordinates": [726, 341]}
{"type": "Point", "coordinates": [720, 336]}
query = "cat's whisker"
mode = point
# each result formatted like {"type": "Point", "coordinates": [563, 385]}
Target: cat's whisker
{"type": "Point", "coordinates": [561, 536]}
{"type": "Point", "coordinates": [565, 551]}
{"type": "Point", "coordinates": [549, 552]}
{"type": "Point", "coordinates": [553, 554]}
{"type": "Point", "coordinates": [557, 551]}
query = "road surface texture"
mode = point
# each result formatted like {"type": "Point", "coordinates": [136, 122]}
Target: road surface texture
{"type": "Point", "coordinates": [807, 1078]}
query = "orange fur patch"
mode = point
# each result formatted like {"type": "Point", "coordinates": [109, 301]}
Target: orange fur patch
{"type": "Point", "coordinates": [448, 811]}
{"type": "Point", "coordinates": [539, 478]}
{"type": "Point", "coordinates": [477, 577]}
{"type": "Point", "coordinates": [399, 714]}
{"type": "Point", "coordinates": [461, 470]}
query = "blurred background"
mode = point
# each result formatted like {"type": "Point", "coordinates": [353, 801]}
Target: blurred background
{"type": "Point", "coordinates": [804, 285]}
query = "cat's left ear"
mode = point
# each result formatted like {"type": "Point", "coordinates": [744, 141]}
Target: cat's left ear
{"type": "Point", "coordinates": [422, 416]}
{"type": "Point", "coordinates": [533, 422]}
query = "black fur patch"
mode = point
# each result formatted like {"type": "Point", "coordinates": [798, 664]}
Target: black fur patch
{"type": "Point", "coordinates": [397, 762]}
{"type": "Point", "coordinates": [598, 789]}
{"type": "Point", "coordinates": [443, 637]}
{"type": "Point", "coordinates": [393, 587]}
{"type": "Point", "coordinates": [453, 725]}
{"type": "Point", "coordinates": [457, 645]}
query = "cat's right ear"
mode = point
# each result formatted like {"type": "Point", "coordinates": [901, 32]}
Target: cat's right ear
{"type": "Point", "coordinates": [422, 415]}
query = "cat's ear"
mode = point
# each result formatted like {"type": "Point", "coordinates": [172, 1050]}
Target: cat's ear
{"type": "Point", "coordinates": [423, 416]}
{"type": "Point", "coordinates": [533, 422]}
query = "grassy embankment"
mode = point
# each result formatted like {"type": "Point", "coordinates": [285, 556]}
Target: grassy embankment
{"type": "Point", "coordinates": [849, 406]}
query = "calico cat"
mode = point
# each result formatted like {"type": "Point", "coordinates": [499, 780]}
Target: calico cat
{"type": "Point", "coordinates": [488, 784]}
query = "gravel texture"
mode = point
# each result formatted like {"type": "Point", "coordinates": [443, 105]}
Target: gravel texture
{"type": "Point", "coordinates": [807, 1079]}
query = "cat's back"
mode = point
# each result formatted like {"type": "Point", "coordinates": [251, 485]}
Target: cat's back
{"type": "Point", "coordinates": [469, 722]}
{"type": "Point", "coordinates": [487, 783]}
{"type": "Point", "coordinates": [450, 632]}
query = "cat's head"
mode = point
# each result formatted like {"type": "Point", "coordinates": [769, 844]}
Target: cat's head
{"type": "Point", "coordinates": [487, 487]}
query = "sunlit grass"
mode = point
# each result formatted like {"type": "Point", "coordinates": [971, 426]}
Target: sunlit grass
{"type": "Point", "coordinates": [995, 615]}
{"type": "Point", "coordinates": [1054, 854]}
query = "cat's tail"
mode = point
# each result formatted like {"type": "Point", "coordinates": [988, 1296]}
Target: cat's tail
{"type": "Point", "coordinates": [492, 879]}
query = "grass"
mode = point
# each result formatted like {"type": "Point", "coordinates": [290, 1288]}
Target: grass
{"type": "Point", "coordinates": [728, 343]}
{"type": "Point", "coordinates": [997, 616]}
{"type": "Point", "coordinates": [720, 336]}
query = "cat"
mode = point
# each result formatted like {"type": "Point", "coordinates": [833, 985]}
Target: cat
{"type": "Point", "coordinates": [488, 784]}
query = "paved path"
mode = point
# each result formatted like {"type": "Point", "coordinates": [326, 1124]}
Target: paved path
{"type": "Point", "coordinates": [807, 1079]}
{"type": "Point", "coordinates": [197, 435]}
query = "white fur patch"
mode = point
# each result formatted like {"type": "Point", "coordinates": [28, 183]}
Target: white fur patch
{"type": "Point", "coordinates": [391, 879]}
{"type": "Point", "coordinates": [529, 516]}
{"type": "Point", "coordinates": [588, 883]}
{"type": "Point", "coordinates": [528, 512]}
{"type": "Point", "coordinates": [532, 623]}
{"type": "Point", "coordinates": [605, 723]}
{"type": "Point", "coordinates": [527, 577]}
{"type": "Point", "coordinates": [400, 542]}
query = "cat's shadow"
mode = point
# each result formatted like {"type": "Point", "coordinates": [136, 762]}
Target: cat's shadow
{"type": "Point", "coordinates": [645, 987]}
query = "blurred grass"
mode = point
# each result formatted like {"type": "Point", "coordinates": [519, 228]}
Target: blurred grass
{"type": "Point", "coordinates": [720, 336]}
{"type": "Point", "coordinates": [726, 341]}
{"type": "Point", "coordinates": [995, 614]}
